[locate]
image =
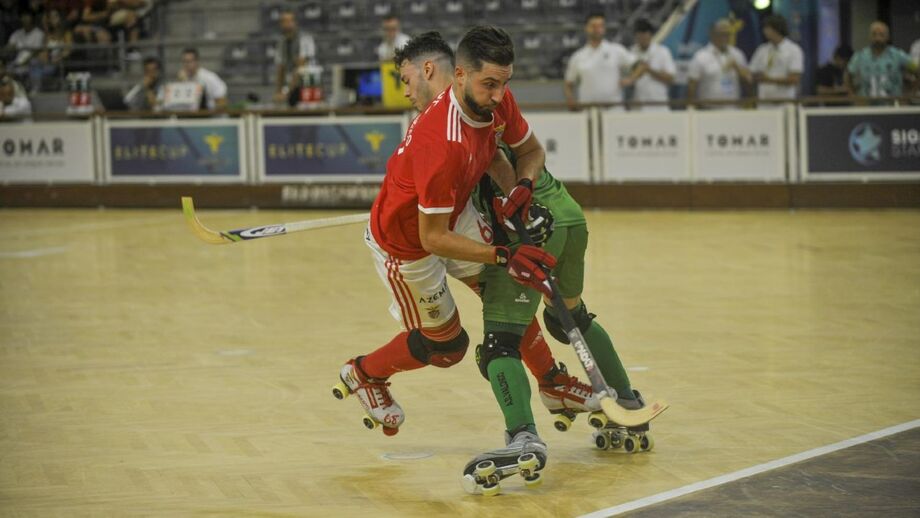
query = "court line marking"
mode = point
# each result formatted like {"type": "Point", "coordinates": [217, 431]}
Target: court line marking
{"type": "Point", "coordinates": [83, 227]}
{"type": "Point", "coordinates": [35, 252]}
{"type": "Point", "coordinates": [751, 471]}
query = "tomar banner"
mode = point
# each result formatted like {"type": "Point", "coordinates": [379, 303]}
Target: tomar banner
{"type": "Point", "coordinates": [739, 145]}
{"type": "Point", "coordinates": [340, 149]}
{"type": "Point", "coordinates": [860, 143]}
{"type": "Point", "coordinates": [646, 146]}
{"type": "Point", "coordinates": [47, 151]}
{"type": "Point", "coordinates": [197, 150]}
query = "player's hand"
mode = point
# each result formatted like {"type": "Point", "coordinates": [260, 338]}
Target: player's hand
{"type": "Point", "coordinates": [539, 224]}
{"type": "Point", "coordinates": [528, 265]}
{"type": "Point", "coordinates": [517, 201]}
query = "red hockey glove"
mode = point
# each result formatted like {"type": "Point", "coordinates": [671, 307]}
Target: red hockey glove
{"type": "Point", "coordinates": [517, 202]}
{"type": "Point", "coordinates": [526, 266]}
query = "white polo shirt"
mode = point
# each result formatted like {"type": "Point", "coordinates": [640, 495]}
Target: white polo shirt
{"type": "Point", "coordinates": [596, 71]}
{"type": "Point", "coordinates": [387, 51]}
{"type": "Point", "coordinates": [778, 61]}
{"type": "Point", "coordinates": [647, 88]}
{"type": "Point", "coordinates": [711, 68]}
{"type": "Point", "coordinates": [213, 87]}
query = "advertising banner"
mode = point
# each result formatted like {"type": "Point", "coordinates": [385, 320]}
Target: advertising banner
{"type": "Point", "coordinates": [565, 139]}
{"type": "Point", "coordinates": [46, 152]}
{"type": "Point", "coordinates": [739, 145]}
{"type": "Point", "coordinates": [860, 143]}
{"type": "Point", "coordinates": [340, 149]}
{"type": "Point", "coordinates": [177, 150]}
{"type": "Point", "coordinates": [646, 146]}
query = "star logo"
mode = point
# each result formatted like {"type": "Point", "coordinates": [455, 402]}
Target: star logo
{"type": "Point", "coordinates": [374, 138]}
{"type": "Point", "coordinates": [866, 143]}
{"type": "Point", "coordinates": [214, 141]}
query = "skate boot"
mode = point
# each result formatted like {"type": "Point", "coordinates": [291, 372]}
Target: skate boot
{"type": "Point", "coordinates": [610, 435]}
{"type": "Point", "coordinates": [524, 453]}
{"type": "Point", "coordinates": [374, 394]}
{"type": "Point", "coordinates": [565, 396]}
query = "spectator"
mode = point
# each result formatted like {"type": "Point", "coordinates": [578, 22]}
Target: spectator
{"type": "Point", "coordinates": [829, 78]}
{"type": "Point", "coordinates": [14, 103]}
{"type": "Point", "coordinates": [915, 52]}
{"type": "Point", "coordinates": [9, 19]}
{"type": "Point", "coordinates": [877, 70]}
{"type": "Point", "coordinates": [213, 88]}
{"type": "Point", "coordinates": [652, 85]}
{"type": "Point", "coordinates": [717, 70]}
{"type": "Point", "coordinates": [92, 27]}
{"type": "Point", "coordinates": [295, 50]}
{"type": "Point", "coordinates": [147, 94]}
{"type": "Point", "coordinates": [596, 67]}
{"type": "Point", "coordinates": [72, 10]}
{"type": "Point", "coordinates": [58, 42]}
{"type": "Point", "coordinates": [778, 63]}
{"type": "Point", "coordinates": [126, 17]}
{"type": "Point", "coordinates": [393, 38]}
{"type": "Point", "coordinates": [27, 43]}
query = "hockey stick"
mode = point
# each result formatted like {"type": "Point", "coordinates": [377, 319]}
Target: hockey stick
{"type": "Point", "coordinates": [244, 234]}
{"type": "Point", "coordinates": [605, 394]}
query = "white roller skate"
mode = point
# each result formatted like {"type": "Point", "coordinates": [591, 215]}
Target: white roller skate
{"type": "Point", "coordinates": [374, 395]}
{"type": "Point", "coordinates": [610, 435]}
{"type": "Point", "coordinates": [565, 396]}
{"type": "Point", "coordinates": [524, 454]}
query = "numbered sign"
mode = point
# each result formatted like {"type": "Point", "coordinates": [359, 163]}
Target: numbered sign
{"type": "Point", "coordinates": [182, 96]}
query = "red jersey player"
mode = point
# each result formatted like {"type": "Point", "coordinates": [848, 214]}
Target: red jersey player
{"type": "Point", "coordinates": [423, 226]}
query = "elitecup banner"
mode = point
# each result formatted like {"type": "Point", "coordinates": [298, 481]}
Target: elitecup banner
{"type": "Point", "coordinates": [340, 149]}
{"type": "Point", "coordinates": [739, 145]}
{"type": "Point", "coordinates": [860, 143]}
{"type": "Point", "coordinates": [565, 139]}
{"type": "Point", "coordinates": [182, 150]}
{"type": "Point", "coordinates": [46, 152]}
{"type": "Point", "coordinates": [646, 146]}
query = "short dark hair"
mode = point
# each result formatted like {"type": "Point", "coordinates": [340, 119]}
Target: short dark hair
{"type": "Point", "coordinates": [844, 52]}
{"type": "Point", "coordinates": [190, 50]}
{"type": "Point", "coordinates": [151, 59]}
{"type": "Point", "coordinates": [424, 44]}
{"type": "Point", "coordinates": [595, 14]}
{"type": "Point", "coordinates": [643, 25]}
{"type": "Point", "coordinates": [488, 44]}
{"type": "Point", "coordinates": [391, 16]}
{"type": "Point", "coordinates": [777, 23]}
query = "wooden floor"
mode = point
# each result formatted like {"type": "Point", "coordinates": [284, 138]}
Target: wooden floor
{"type": "Point", "coordinates": [144, 372]}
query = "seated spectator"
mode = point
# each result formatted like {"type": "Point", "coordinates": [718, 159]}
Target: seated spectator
{"type": "Point", "coordinates": [9, 19]}
{"type": "Point", "coordinates": [829, 79]}
{"type": "Point", "coordinates": [71, 10]}
{"type": "Point", "coordinates": [915, 52]}
{"type": "Point", "coordinates": [126, 15]}
{"type": "Point", "coordinates": [92, 27]}
{"type": "Point", "coordinates": [58, 41]}
{"type": "Point", "coordinates": [147, 94]}
{"type": "Point", "coordinates": [214, 90]}
{"type": "Point", "coordinates": [878, 70]}
{"type": "Point", "coordinates": [14, 103]}
{"type": "Point", "coordinates": [717, 70]}
{"type": "Point", "coordinates": [27, 42]}
{"type": "Point", "coordinates": [295, 49]}
{"type": "Point", "coordinates": [778, 63]}
{"type": "Point", "coordinates": [393, 38]}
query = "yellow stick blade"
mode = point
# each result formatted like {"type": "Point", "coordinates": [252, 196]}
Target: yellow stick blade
{"type": "Point", "coordinates": [202, 232]}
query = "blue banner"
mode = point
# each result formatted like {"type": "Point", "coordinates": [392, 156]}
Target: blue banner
{"type": "Point", "coordinates": [175, 151]}
{"type": "Point", "coordinates": [338, 148]}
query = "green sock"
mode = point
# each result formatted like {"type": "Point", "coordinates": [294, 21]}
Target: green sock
{"type": "Point", "coordinates": [608, 361]}
{"type": "Point", "coordinates": [512, 391]}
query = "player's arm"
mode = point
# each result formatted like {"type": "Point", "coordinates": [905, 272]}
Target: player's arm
{"type": "Point", "coordinates": [437, 239]}
{"type": "Point", "coordinates": [531, 159]}
{"type": "Point", "coordinates": [502, 172]}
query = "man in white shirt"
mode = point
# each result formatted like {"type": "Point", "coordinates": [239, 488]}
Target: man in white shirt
{"type": "Point", "coordinates": [718, 69]}
{"type": "Point", "coordinates": [777, 64]}
{"type": "Point", "coordinates": [393, 38]}
{"type": "Point", "coordinates": [652, 85]}
{"type": "Point", "coordinates": [596, 68]}
{"type": "Point", "coordinates": [27, 41]}
{"type": "Point", "coordinates": [214, 89]}
{"type": "Point", "coordinates": [14, 103]}
{"type": "Point", "coordinates": [295, 49]}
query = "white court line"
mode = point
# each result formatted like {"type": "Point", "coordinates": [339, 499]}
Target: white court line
{"type": "Point", "coordinates": [753, 470]}
{"type": "Point", "coordinates": [82, 227]}
{"type": "Point", "coordinates": [35, 252]}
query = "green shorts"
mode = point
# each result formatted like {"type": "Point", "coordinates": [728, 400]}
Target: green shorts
{"type": "Point", "coordinates": [505, 301]}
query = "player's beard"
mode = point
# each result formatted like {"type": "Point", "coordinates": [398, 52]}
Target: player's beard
{"type": "Point", "coordinates": [423, 95]}
{"type": "Point", "coordinates": [480, 111]}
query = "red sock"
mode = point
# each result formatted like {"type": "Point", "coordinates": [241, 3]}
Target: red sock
{"type": "Point", "coordinates": [535, 351]}
{"type": "Point", "coordinates": [390, 359]}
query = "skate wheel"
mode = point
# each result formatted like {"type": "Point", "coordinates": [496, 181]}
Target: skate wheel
{"type": "Point", "coordinates": [528, 462]}
{"type": "Point", "coordinates": [492, 490]}
{"type": "Point", "coordinates": [340, 390]}
{"type": "Point", "coordinates": [631, 444]}
{"type": "Point", "coordinates": [646, 442]}
{"type": "Point", "coordinates": [562, 423]}
{"type": "Point", "coordinates": [484, 470]}
{"type": "Point", "coordinates": [601, 440]}
{"type": "Point", "coordinates": [390, 431]}
{"type": "Point", "coordinates": [598, 420]}
{"type": "Point", "coordinates": [369, 422]}
{"type": "Point", "coordinates": [533, 481]}
{"type": "Point", "coordinates": [616, 440]}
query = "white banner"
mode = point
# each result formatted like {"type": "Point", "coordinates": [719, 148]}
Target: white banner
{"type": "Point", "coordinates": [739, 145]}
{"type": "Point", "coordinates": [46, 151]}
{"type": "Point", "coordinates": [565, 138]}
{"type": "Point", "coordinates": [651, 146]}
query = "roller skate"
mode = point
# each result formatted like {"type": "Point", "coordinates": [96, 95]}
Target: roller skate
{"type": "Point", "coordinates": [565, 396]}
{"type": "Point", "coordinates": [524, 454]}
{"type": "Point", "coordinates": [609, 435]}
{"type": "Point", "coordinates": [374, 394]}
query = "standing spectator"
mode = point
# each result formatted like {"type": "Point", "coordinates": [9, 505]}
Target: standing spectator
{"type": "Point", "coordinates": [92, 27]}
{"type": "Point", "coordinates": [14, 103]}
{"type": "Point", "coordinates": [27, 42]}
{"type": "Point", "coordinates": [778, 63]}
{"type": "Point", "coordinates": [829, 79]}
{"type": "Point", "coordinates": [58, 42]}
{"type": "Point", "coordinates": [393, 38]}
{"type": "Point", "coordinates": [9, 19]}
{"type": "Point", "coordinates": [877, 70]}
{"type": "Point", "coordinates": [717, 70]}
{"type": "Point", "coordinates": [652, 86]}
{"type": "Point", "coordinates": [596, 67]}
{"type": "Point", "coordinates": [214, 90]}
{"type": "Point", "coordinates": [295, 49]}
{"type": "Point", "coordinates": [147, 95]}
